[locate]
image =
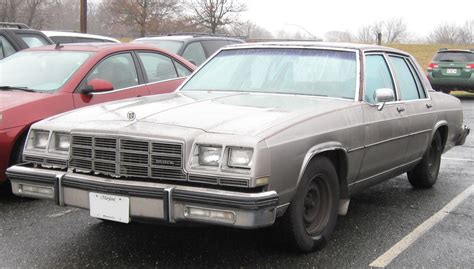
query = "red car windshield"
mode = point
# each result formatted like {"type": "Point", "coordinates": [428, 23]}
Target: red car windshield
{"type": "Point", "coordinates": [41, 71]}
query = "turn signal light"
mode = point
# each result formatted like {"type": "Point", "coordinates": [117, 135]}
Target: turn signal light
{"type": "Point", "coordinates": [470, 66]}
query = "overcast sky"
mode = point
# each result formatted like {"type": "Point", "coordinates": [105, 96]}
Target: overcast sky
{"type": "Point", "coordinates": [319, 17]}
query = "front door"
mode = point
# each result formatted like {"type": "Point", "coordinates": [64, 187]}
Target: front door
{"type": "Point", "coordinates": [386, 130]}
{"type": "Point", "coordinates": [120, 70]}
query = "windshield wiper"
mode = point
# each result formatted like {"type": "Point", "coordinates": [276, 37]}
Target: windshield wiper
{"type": "Point", "coordinates": [11, 88]}
{"type": "Point", "coordinates": [449, 61]}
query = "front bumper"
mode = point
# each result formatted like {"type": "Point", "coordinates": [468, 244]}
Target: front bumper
{"type": "Point", "coordinates": [166, 202]}
{"type": "Point", "coordinates": [465, 130]}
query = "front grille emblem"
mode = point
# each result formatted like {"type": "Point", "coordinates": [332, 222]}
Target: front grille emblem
{"type": "Point", "coordinates": [131, 115]}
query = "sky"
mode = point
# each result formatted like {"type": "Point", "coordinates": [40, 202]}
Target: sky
{"type": "Point", "coordinates": [319, 17]}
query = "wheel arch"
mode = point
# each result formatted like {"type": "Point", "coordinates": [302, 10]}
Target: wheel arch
{"type": "Point", "coordinates": [443, 129]}
{"type": "Point", "coordinates": [337, 154]}
{"type": "Point", "coordinates": [21, 134]}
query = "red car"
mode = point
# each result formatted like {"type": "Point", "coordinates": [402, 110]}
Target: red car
{"type": "Point", "coordinates": [41, 82]}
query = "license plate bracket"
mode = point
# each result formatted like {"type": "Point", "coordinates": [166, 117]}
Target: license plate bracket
{"type": "Point", "coordinates": [451, 71]}
{"type": "Point", "coordinates": [109, 207]}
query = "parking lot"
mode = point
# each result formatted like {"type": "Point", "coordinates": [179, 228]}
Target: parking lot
{"type": "Point", "coordinates": [36, 233]}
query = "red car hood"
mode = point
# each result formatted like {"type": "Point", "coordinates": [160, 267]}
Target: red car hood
{"type": "Point", "coordinates": [14, 98]}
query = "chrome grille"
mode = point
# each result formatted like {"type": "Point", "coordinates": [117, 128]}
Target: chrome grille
{"type": "Point", "coordinates": [124, 157]}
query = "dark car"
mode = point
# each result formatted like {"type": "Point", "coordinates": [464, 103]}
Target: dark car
{"type": "Point", "coordinates": [452, 69]}
{"type": "Point", "coordinates": [17, 36]}
{"type": "Point", "coordinates": [195, 48]}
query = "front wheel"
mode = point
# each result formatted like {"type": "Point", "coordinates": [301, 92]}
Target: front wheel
{"type": "Point", "coordinates": [425, 173]}
{"type": "Point", "coordinates": [312, 215]}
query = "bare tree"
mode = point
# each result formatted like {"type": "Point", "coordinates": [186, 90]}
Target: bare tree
{"type": "Point", "coordinates": [141, 13]}
{"type": "Point", "coordinates": [250, 30]}
{"type": "Point", "coordinates": [365, 34]}
{"type": "Point", "coordinates": [213, 14]}
{"type": "Point", "coordinates": [466, 33]}
{"type": "Point", "coordinates": [339, 36]}
{"type": "Point", "coordinates": [392, 30]}
{"type": "Point", "coordinates": [444, 33]}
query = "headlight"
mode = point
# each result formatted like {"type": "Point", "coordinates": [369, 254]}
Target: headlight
{"type": "Point", "coordinates": [209, 155]}
{"type": "Point", "coordinates": [240, 157]}
{"type": "Point", "coordinates": [61, 141]}
{"type": "Point", "coordinates": [38, 139]}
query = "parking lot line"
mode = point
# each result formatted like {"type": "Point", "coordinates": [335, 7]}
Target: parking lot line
{"type": "Point", "coordinates": [458, 159]}
{"type": "Point", "coordinates": [386, 258]}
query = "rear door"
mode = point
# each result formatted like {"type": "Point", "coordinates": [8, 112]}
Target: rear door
{"type": "Point", "coordinates": [418, 106]}
{"type": "Point", "coordinates": [121, 70]}
{"type": "Point", "coordinates": [162, 73]}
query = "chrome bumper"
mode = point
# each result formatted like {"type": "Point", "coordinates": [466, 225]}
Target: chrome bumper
{"type": "Point", "coordinates": [465, 130]}
{"type": "Point", "coordinates": [167, 202]}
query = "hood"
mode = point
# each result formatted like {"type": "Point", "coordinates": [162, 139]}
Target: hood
{"type": "Point", "coordinates": [10, 99]}
{"type": "Point", "coordinates": [212, 112]}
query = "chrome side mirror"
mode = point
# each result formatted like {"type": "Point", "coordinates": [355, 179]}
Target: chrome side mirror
{"type": "Point", "coordinates": [383, 95]}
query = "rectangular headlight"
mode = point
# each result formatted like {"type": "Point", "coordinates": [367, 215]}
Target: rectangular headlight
{"type": "Point", "coordinates": [240, 157]}
{"type": "Point", "coordinates": [61, 141]}
{"type": "Point", "coordinates": [209, 155]}
{"type": "Point", "coordinates": [38, 139]}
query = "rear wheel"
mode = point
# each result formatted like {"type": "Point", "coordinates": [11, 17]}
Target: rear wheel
{"type": "Point", "coordinates": [311, 217]}
{"type": "Point", "coordinates": [425, 173]}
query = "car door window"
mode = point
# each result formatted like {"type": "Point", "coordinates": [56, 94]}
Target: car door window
{"type": "Point", "coordinates": [182, 71]}
{"type": "Point", "coordinates": [406, 81]}
{"type": "Point", "coordinates": [377, 76]}
{"type": "Point", "coordinates": [194, 52]}
{"type": "Point", "coordinates": [117, 69]}
{"type": "Point", "coordinates": [6, 49]}
{"type": "Point", "coordinates": [419, 85]}
{"type": "Point", "coordinates": [157, 67]}
{"type": "Point", "coordinates": [33, 40]}
{"type": "Point", "coordinates": [212, 46]}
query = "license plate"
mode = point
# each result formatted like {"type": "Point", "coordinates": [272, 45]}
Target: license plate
{"type": "Point", "coordinates": [451, 71]}
{"type": "Point", "coordinates": [109, 207]}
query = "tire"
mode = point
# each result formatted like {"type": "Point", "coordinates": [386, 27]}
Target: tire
{"type": "Point", "coordinates": [311, 216]}
{"type": "Point", "coordinates": [18, 151]}
{"type": "Point", "coordinates": [425, 173]}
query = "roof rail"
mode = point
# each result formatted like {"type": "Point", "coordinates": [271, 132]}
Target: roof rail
{"type": "Point", "coordinates": [443, 49]}
{"type": "Point", "coordinates": [14, 25]}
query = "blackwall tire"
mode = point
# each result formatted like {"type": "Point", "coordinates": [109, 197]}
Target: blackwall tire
{"type": "Point", "coordinates": [425, 173]}
{"type": "Point", "coordinates": [311, 216]}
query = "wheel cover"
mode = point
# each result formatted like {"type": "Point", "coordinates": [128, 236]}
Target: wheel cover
{"type": "Point", "coordinates": [316, 205]}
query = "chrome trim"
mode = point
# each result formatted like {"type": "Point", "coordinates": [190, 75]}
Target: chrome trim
{"type": "Point", "coordinates": [387, 140]}
{"type": "Point", "coordinates": [355, 149]}
{"type": "Point", "coordinates": [169, 192]}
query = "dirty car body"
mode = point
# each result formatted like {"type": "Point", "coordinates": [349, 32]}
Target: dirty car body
{"type": "Point", "coordinates": [259, 132]}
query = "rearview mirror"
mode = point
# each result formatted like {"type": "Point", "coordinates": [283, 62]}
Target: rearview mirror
{"type": "Point", "coordinates": [97, 85]}
{"type": "Point", "coordinates": [383, 95]}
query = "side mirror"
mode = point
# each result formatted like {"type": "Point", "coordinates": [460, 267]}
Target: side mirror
{"type": "Point", "coordinates": [97, 85]}
{"type": "Point", "coordinates": [383, 95]}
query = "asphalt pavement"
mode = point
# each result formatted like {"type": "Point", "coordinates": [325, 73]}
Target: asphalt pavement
{"type": "Point", "coordinates": [35, 233]}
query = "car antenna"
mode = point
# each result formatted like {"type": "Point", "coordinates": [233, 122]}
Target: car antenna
{"type": "Point", "coordinates": [58, 45]}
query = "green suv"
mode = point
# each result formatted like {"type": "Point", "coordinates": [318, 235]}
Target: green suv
{"type": "Point", "coordinates": [452, 69]}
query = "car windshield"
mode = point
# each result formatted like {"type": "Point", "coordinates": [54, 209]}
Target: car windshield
{"type": "Point", "coordinates": [452, 56]}
{"type": "Point", "coordinates": [42, 71]}
{"type": "Point", "coordinates": [169, 45]}
{"type": "Point", "coordinates": [273, 70]}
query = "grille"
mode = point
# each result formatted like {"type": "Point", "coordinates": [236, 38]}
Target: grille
{"type": "Point", "coordinates": [235, 182]}
{"type": "Point", "coordinates": [203, 179]}
{"type": "Point", "coordinates": [46, 161]}
{"type": "Point", "coordinates": [129, 158]}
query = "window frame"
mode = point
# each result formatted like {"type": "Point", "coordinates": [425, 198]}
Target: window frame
{"type": "Point", "coordinates": [404, 58]}
{"type": "Point", "coordinates": [142, 66]}
{"type": "Point", "coordinates": [390, 70]}
{"type": "Point", "coordinates": [138, 70]}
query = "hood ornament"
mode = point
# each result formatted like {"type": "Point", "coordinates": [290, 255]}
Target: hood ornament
{"type": "Point", "coordinates": [131, 115]}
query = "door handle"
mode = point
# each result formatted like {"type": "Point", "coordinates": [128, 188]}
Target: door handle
{"type": "Point", "coordinates": [429, 106]}
{"type": "Point", "coordinates": [400, 109]}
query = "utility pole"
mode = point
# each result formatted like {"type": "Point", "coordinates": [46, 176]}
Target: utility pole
{"type": "Point", "coordinates": [83, 16]}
